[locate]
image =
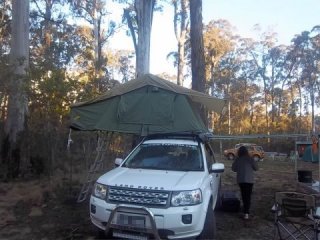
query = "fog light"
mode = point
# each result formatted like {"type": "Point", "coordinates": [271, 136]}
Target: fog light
{"type": "Point", "coordinates": [93, 208]}
{"type": "Point", "coordinates": [187, 219]}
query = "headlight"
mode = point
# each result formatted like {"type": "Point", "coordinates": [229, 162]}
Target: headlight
{"type": "Point", "coordinates": [99, 190]}
{"type": "Point", "coordinates": [185, 198]}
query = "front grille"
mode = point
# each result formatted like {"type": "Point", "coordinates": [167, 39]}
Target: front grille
{"type": "Point", "coordinates": [149, 198]}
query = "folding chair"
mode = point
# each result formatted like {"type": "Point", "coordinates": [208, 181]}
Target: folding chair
{"type": "Point", "coordinates": [295, 216]}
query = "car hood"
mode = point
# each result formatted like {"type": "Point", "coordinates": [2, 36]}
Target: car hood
{"type": "Point", "coordinates": [153, 179]}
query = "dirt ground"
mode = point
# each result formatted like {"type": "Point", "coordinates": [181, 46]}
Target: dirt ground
{"type": "Point", "coordinates": [39, 209]}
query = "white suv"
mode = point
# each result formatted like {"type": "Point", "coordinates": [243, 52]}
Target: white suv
{"type": "Point", "coordinates": [166, 187]}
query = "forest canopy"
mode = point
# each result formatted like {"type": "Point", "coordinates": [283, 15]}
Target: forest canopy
{"type": "Point", "coordinates": [271, 87]}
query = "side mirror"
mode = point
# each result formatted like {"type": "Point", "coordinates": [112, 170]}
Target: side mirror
{"type": "Point", "coordinates": [118, 162]}
{"type": "Point", "coordinates": [217, 168]}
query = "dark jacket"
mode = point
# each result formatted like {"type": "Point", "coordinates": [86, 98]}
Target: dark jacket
{"type": "Point", "coordinates": [244, 167]}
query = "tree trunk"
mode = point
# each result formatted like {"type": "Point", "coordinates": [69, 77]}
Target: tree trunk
{"type": "Point", "coordinates": [17, 102]}
{"type": "Point", "coordinates": [227, 94]}
{"type": "Point", "coordinates": [300, 108]}
{"type": "Point", "coordinates": [180, 36]}
{"type": "Point", "coordinates": [312, 110]}
{"type": "Point", "coordinates": [197, 51]}
{"type": "Point", "coordinates": [266, 103]}
{"type": "Point", "coordinates": [144, 11]}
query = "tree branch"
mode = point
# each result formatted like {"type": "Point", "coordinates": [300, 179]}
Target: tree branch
{"type": "Point", "coordinates": [127, 16]}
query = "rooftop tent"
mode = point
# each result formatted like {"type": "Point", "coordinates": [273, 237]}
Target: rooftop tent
{"type": "Point", "coordinates": [143, 106]}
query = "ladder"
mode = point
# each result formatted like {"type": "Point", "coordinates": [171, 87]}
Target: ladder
{"type": "Point", "coordinates": [95, 168]}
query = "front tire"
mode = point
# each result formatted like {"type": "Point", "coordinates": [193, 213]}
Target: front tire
{"type": "Point", "coordinates": [101, 234]}
{"type": "Point", "coordinates": [209, 227]}
{"type": "Point", "coordinates": [219, 200]}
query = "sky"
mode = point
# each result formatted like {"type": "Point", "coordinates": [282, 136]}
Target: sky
{"type": "Point", "coordinates": [286, 17]}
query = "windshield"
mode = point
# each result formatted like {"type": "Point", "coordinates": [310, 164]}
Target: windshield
{"type": "Point", "coordinates": [172, 157]}
{"type": "Point", "coordinates": [259, 148]}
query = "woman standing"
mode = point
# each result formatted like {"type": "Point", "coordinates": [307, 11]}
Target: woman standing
{"type": "Point", "coordinates": [244, 166]}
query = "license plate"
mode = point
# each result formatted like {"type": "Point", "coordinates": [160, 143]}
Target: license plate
{"type": "Point", "coordinates": [126, 235]}
{"type": "Point", "coordinates": [131, 220]}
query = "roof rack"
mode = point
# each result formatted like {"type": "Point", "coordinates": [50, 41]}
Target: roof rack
{"type": "Point", "coordinates": [203, 137]}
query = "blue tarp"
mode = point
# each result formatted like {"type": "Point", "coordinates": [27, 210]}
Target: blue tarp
{"type": "Point", "coordinates": [309, 155]}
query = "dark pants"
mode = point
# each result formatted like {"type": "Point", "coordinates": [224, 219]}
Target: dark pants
{"type": "Point", "coordinates": [246, 190]}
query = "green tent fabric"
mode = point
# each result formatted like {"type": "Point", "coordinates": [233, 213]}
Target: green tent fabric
{"type": "Point", "coordinates": [144, 106]}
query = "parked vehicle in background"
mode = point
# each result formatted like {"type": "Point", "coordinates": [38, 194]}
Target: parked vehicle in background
{"type": "Point", "coordinates": [168, 186]}
{"type": "Point", "coordinates": [255, 151]}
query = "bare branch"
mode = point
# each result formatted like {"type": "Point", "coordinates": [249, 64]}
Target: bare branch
{"type": "Point", "coordinates": [126, 14]}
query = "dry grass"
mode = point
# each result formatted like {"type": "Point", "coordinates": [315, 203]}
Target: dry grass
{"type": "Point", "coordinates": [47, 210]}
{"type": "Point", "coordinates": [273, 176]}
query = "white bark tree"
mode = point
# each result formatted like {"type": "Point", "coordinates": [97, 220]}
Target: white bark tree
{"type": "Point", "coordinates": [17, 102]}
{"type": "Point", "coordinates": [139, 19]}
{"type": "Point", "coordinates": [180, 29]}
{"type": "Point", "coordinates": [144, 15]}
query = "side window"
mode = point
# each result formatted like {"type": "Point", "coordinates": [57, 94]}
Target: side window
{"type": "Point", "coordinates": [209, 155]}
{"type": "Point", "coordinates": [250, 148]}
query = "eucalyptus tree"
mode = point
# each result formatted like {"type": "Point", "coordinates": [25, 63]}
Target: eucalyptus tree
{"type": "Point", "coordinates": [296, 96]}
{"type": "Point", "coordinates": [95, 13]}
{"type": "Point", "coordinates": [286, 65]}
{"type": "Point", "coordinates": [197, 50]}
{"type": "Point", "coordinates": [18, 97]}
{"type": "Point", "coordinates": [306, 48]}
{"type": "Point", "coordinates": [244, 74]}
{"type": "Point", "coordinates": [264, 55]}
{"type": "Point", "coordinates": [180, 23]}
{"type": "Point", "coordinates": [5, 12]}
{"type": "Point", "coordinates": [139, 15]}
{"type": "Point", "coordinates": [237, 76]}
{"type": "Point", "coordinates": [222, 60]}
{"type": "Point", "coordinates": [144, 14]}
{"type": "Point", "coordinates": [54, 43]}
{"type": "Point", "coordinates": [224, 75]}
{"type": "Point", "coordinates": [277, 78]}
{"type": "Point", "coordinates": [219, 41]}
{"type": "Point", "coordinates": [121, 64]}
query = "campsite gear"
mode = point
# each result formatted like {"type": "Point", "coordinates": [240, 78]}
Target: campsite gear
{"type": "Point", "coordinates": [295, 216]}
{"type": "Point", "coordinates": [230, 201]}
{"type": "Point", "coordinates": [309, 155]}
{"type": "Point", "coordinates": [305, 176]}
{"type": "Point", "coordinates": [144, 106]}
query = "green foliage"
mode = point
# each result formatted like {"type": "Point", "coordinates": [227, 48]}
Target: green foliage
{"type": "Point", "coordinates": [270, 87]}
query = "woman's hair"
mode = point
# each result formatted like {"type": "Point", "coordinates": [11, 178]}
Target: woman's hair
{"type": "Point", "coordinates": [243, 151]}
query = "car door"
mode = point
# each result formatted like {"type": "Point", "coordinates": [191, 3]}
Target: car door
{"type": "Point", "coordinates": [214, 177]}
